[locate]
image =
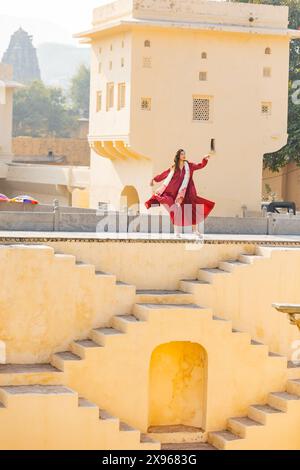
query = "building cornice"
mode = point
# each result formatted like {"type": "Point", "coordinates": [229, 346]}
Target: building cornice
{"type": "Point", "coordinates": [195, 26]}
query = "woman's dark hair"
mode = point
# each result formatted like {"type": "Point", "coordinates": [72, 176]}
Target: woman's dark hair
{"type": "Point", "coordinates": [177, 159]}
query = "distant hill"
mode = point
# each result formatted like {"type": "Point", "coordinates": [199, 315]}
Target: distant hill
{"type": "Point", "coordinates": [59, 62]}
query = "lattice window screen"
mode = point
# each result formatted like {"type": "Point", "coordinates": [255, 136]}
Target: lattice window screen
{"type": "Point", "coordinates": [201, 109]}
{"type": "Point", "coordinates": [146, 104]}
{"type": "Point", "coordinates": [266, 109]}
{"type": "Point", "coordinates": [147, 62]}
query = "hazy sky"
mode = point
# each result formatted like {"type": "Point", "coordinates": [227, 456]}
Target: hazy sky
{"type": "Point", "coordinates": [71, 15]}
{"type": "Point", "coordinates": [47, 21]}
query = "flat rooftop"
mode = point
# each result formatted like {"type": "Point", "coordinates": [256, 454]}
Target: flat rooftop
{"type": "Point", "coordinates": [191, 14]}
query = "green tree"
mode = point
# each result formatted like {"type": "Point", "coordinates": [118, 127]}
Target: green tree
{"type": "Point", "coordinates": [291, 152]}
{"type": "Point", "coordinates": [41, 111]}
{"type": "Point", "coordinates": [80, 91]}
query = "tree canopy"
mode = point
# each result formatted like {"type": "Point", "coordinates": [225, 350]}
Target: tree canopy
{"type": "Point", "coordinates": [80, 91]}
{"type": "Point", "coordinates": [41, 111]}
{"type": "Point", "coordinates": [291, 152]}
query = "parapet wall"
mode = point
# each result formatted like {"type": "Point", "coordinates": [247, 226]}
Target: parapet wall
{"type": "Point", "coordinates": [194, 11]}
{"type": "Point", "coordinates": [74, 151]}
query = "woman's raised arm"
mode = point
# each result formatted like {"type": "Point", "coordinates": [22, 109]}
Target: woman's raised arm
{"type": "Point", "coordinates": [162, 176]}
{"type": "Point", "coordinates": [199, 166]}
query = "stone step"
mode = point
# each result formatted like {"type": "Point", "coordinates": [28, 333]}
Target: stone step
{"type": "Point", "coordinates": [125, 323]}
{"type": "Point", "coordinates": [163, 297]}
{"type": "Point", "coordinates": [144, 311]}
{"type": "Point", "coordinates": [266, 251]}
{"type": "Point", "coordinates": [263, 413]}
{"type": "Point", "coordinates": [250, 259]}
{"type": "Point", "coordinates": [84, 403]}
{"type": "Point", "coordinates": [211, 274]}
{"type": "Point", "coordinates": [124, 427]}
{"type": "Point", "coordinates": [103, 275]}
{"type": "Point", "coordinates": [242, 426]}
{"type": "Point", "coordinates": [177, 434]}
{"type": "Point", "coordinates": [13, 393]}
{"type": "Point", "coordinates": [293, 387]}
{"type": "Point", "coordinates": [89, 268]}
{"type": "Point", "coordinates": [103, 335]}
{"type": "Point", "coordinates": [30, 374]}
{"type": "Point", "coordinates": [220, 439]}
{"type": "Point", "coordinates": [231, 265]}
{"type": "Point", "coordinates": [282, 400]}
{"type": "Point", "coordinates": [105, 416]}
{"type": "Point", "coordinates": [60, 360]}
{"type": "Point", "coordinates": [195, 286]}
{"type": "Point", "coordinates": [293, 370]}
{"type": "Point", "coordinates": [63, 258]}
{"type": "Point", "coordinates": [85, 348]}
{"type": "Point", "coordinates": [146, 439]}
{"type": "Point", "coordinates": [188, 446]}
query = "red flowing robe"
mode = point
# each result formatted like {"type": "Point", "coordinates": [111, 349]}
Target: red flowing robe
{"type": "Point", "coordinates": [194, 209]}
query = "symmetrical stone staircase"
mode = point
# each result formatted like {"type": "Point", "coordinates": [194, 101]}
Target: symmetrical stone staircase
{"type": "Point", "coordinates": [90, 368]}
{"type": "Point", "coordinates": [151, 304]}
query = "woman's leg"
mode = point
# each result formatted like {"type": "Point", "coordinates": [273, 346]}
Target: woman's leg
{"type": "Point", "coordinates": [196, 231]}
{"type": "Point", "coordinates": [177, 230]}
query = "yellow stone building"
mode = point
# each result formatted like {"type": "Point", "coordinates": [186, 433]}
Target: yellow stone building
{"type": "Point", "coordinates": [191, 74]}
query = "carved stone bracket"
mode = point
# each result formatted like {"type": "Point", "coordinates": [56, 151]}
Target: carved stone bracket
{"type": "Point", "coordinates": [292, 310]}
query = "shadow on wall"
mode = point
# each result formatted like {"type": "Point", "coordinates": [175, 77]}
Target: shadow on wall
{"type": "Point", "coordinates": [178, 384]}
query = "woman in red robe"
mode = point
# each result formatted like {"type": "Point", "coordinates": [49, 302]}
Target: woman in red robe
{"type": "Point", "coordinates": [178, 193]}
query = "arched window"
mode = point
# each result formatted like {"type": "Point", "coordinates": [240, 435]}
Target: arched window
{"type": "Point", "coordinates": [130, 199]}
{"type": "Point", "coordinates": [147, 43]}
{"type": "Point", "coordinates": [268, 51]}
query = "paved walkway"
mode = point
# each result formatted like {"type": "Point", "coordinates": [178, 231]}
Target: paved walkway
{"type": "Point", "coordinates": [7, 236]}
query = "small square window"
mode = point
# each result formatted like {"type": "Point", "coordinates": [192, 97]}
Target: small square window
{"type": "Point", "coordinates": [147, 43]}
{"type": "Point", "coordinates": [121, 95]}
{"type": "Point", "coordinates": [146, 104]}
{"type": "Point", "coordinates": [98, 101]}
{"type": "Point", "coordinates": [267, 72]}
{"type": "Point", "coordinates": [203, 76]}
{"type": "Point", "coordinates": [201, 108]}
{"type": "Point", "coordinates": [147, 62]}
{"type": "Point", "coordinates": [266, 108]}
{"type": "Point", "coordinates": [110, 95]}
{"type": "Point", "coordinates": [204, 55]}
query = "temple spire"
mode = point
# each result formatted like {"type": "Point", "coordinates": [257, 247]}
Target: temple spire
{"type": "Point", "coordinates": [21, 54]}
